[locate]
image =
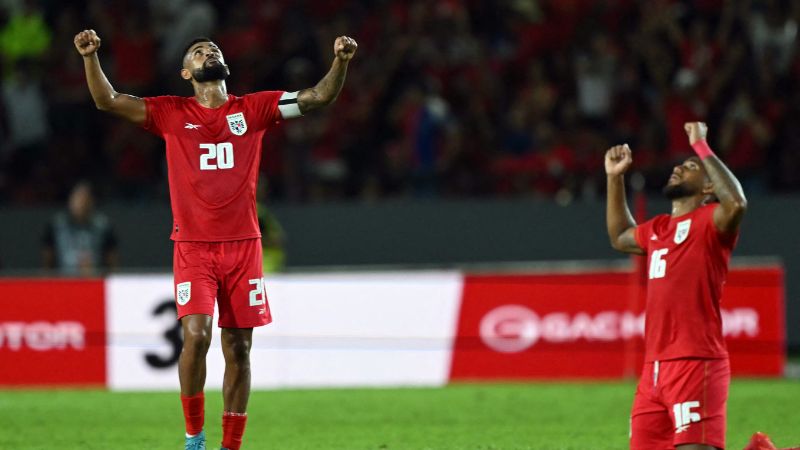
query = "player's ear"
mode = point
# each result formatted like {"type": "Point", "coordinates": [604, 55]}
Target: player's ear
{"type": "Point", "coordinates": [186, 74]}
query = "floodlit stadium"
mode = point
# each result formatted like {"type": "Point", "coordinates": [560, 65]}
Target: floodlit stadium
{"type": "Point", "coordinates": [465, 224]}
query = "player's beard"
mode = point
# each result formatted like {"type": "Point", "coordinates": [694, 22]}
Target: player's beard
{"type": "Point", "coordinates": [675, 191]}
{"type": "Point", "coordinates": [211, 72]}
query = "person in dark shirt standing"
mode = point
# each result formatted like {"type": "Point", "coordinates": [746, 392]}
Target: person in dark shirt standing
{"type": "Point", "coordinates": [80, 241]}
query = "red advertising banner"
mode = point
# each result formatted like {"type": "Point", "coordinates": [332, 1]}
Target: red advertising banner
{"type": "Point", "coordinates": [590, 325]}
{"type": "Point", "coordinates": [52, 332]}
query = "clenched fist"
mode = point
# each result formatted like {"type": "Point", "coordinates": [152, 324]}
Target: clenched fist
{"type": "Point", "coordinates": [696, 131]}
{"type": "Point", "coordinates": [618, 160]}
{"type": "Point", "coordinates": [344, 48]}
{"type": "Point", "coordinates": [87, 42]}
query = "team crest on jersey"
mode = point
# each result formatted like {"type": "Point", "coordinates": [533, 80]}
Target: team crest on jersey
{"type": "Point", "coordinates": [184, 292]}
{"type": "Point", "coordinates": [236, 123]}
{"type": "Point", "coordinates": [682, 232]}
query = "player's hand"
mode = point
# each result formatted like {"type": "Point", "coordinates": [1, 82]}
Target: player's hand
{"type": "Point", "coordinates": [618, 160]}
{"type": "Point", "coordinates": [87, 42]}
{"type": "Point", "coordinates": [345, 48]}
{"type": "Point", "coordinates": [696, 131]}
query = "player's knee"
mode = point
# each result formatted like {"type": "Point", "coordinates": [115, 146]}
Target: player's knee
{"type": "Point", "coordinates": [238, 352]}
{"type": "Point", "coordinates": [197, 340]}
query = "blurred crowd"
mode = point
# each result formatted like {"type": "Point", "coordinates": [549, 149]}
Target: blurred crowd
{"type": "Point", "coordinates": [445, 98]}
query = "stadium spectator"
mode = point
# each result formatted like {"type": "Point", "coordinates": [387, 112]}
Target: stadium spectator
{"type": "Point", "coordinates": [595, 72]}
{"type": "Point", "coordinates": [26, 34]}
{"type": "Point", "coordinates": [65, 84]}
{"type": "Point", "coordinates": [176, 21]}
{"type": "Point", "coordinates": [773, 33]}
{"type": "Point", "coordinates": [24, 101]}
{"type": "Point", "coordinates": [134, 37]}
{"type": "Point", "coordinates": [80, 241]}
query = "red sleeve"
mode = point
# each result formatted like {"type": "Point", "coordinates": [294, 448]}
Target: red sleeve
{"type": "Point", "coordinates": [263, 107]}
{"type": "Point", "coordinates": [159, 110]}
{"type": "Point", "coordinates": [642, 233]}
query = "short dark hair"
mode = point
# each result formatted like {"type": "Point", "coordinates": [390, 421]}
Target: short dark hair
{"type": "Point", "coordinates": [195, 41]}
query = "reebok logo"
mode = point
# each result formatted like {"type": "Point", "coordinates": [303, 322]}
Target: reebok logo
{"type": "Point", "coordinates": [191, 126]}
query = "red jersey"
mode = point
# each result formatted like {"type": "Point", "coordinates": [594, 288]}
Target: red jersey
{"type": "Point", "coordinates": [687, 265]}
{"type": "Point", "coordinates": [212, 162]}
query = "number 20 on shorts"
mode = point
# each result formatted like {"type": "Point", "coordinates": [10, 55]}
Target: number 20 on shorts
{"type": "Point", "coordinates": [257, 293]}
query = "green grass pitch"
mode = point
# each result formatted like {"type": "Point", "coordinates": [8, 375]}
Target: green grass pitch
{"type": "Point", "coordinates": [547, 416]}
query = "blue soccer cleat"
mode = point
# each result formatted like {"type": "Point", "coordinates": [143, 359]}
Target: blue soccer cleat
{"type": "Point", "coordinates": [196, 442]}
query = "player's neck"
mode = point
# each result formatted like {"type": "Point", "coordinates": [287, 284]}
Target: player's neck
{"type": "Point", "coordinates": [685, 205]}
{"type": "Point", "coordinates": [212, 94]}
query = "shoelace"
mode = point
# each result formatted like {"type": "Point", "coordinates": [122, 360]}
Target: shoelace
{"type": "Point", "coordinates": [195, 444]}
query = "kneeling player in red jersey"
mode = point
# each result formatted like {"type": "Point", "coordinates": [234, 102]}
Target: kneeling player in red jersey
{"type": "Point", "coordinates": [681, 398]}
{"type": "Point", "coordinates": [213, 142]}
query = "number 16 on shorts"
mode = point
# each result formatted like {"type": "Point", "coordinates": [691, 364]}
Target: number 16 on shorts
{"type": "Point", "coordinates": [257, 297]}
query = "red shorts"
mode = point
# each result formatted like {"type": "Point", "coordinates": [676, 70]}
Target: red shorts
{"type": "Point", "coordinates": [228, 272]}
{"type": "Point", "coordinates": [680, 402]}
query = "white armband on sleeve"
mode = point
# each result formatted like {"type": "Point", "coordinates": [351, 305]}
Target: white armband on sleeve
{"type": "Point", "coordinates": [288, 106]}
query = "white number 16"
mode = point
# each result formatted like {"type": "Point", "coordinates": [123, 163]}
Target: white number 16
{"type": "Point", "coordinates": [658, 265]}
{"type": "Point", "coordinates": [219, 156]}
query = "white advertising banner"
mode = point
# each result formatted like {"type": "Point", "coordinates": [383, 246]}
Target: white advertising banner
{"type": "Point", "coordinates": [143, 338]}
{"type": "Point", "coordinates": [356, 329]}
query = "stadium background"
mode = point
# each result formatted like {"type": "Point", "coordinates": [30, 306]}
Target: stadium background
{"type": "Point", "coordinates": [469, 134]}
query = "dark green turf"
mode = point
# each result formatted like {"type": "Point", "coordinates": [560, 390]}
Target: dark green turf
{"type": "Point", "coordinates": [521, 416]}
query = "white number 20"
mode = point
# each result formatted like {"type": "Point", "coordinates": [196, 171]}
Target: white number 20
{"type": "Point", "coordinates": [219, 156]}
{"type": "Point", "coordinates": [658, 265]}
{"type": "Point", "coordinates": [257, 293]}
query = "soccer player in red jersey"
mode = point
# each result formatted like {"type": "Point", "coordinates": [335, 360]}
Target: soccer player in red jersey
{"type": "Point", "coordinates": [213, 144]}
{"type": "Point", "coordinates": [681, 398]}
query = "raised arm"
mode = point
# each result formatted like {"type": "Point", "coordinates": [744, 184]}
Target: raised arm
{"type": "Point", "coordinates": [732, 202]}
{"type": "Point", "coordinates": [328, 88]}
{"type": "Point", "coordinates": [105, 97]}
{"type": "Point", "coordinates": [619, 221]}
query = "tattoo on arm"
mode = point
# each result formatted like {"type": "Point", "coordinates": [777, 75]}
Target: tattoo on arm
{"type": "Point", "coordinates": [326, 91]}
{"type": "Point", "coordinates": [729, 192]}
{"type": "Point", "coordinates": [107, 99]}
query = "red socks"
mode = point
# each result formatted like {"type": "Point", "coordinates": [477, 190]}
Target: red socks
{"type": "Point", "coordinates": [233, 429]}
{"type": "Point", "coordinates": [232, 423]}
{"type": "Point", "coordinates": [194, 413]}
